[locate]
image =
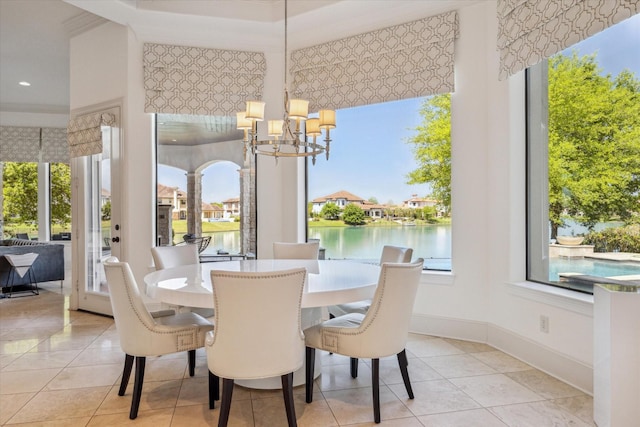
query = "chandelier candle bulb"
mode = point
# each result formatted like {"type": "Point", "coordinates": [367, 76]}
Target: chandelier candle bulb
{"type": "Point", "coordinates": [242, 122]}
{"type": "Point", "coordinates": [313, 127]}
{"type": "Point", "coordinates": [275, 128]}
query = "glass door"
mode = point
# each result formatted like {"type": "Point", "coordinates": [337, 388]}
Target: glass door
{"type": "Point", "coordinates": [99, 237]}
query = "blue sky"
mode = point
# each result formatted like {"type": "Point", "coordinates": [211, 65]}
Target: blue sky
{"type": "Point", "coordinates": [369, 153]}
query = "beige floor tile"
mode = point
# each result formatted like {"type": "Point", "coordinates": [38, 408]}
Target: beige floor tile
{"type": "Point", "coordinates": [18, 346]}
{"type": "Point", "coordinates": [432, 397]}
{"type": "Point", "coordinates": [153, 418]}
{"type": "Point", "coordinates": [580, 406]}
{"type": "Point", "coordinates": [495, 390]}
{"type": "Point", "coordinates": [69, 422]}
{"type": "Point", "coordinates": [60, 342]}
{"type": "Point", "coordinates": [543, 384]}
{"type": "Point", "coordinates": [397, 422]}
{"type": "Point", "coordinates": [432, 347]}
{"type": "Point", "coordinates": [163, 369]}
{"type": "Point", "coordinates": [42, 360]}
{"type": "Point", "coordinates": [85, 376]}
{"type": "Point", "coordinates": [469, 346]}
{"type": "Point", "coordinates": [155, 395]}
{"type": "Point", "coordinates": [12, 382]}
{"type": "Point", "coordinates": [536, 414]}
{"type": "Point", "coordinates": [356, 405]}
{"type": "Point", "coordinates": [269, 412]}
{"type": "Point", "coordinates": [470, 418]}
{"type": "Point", "coordinates": [338, 377]}
{"type": "Point", "coordinates": [458, 365]}
{"type": "Point", "coordinates": [97, 356]}
{"type": "Point", "coordinates": [61, 405]}
{"type": "Point", "coordinates": [418, 371]}
{"type": "Point", "coordinates": [501, 362]}
{"type": "Point", "coordinates": [197, 416]}
{"type": "Point", "coordinates": [328, 359]}
{"type": "Point", "coordinates": [12, 403]}
{"type": "Point", "coordinates": [6, 359]}
{"type": "Point", "coordinates": [194, 391]}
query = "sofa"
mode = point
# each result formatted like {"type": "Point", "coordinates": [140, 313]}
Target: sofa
{"type": "Point", "coordinates": [49, 265]}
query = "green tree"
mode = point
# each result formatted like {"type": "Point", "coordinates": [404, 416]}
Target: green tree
{"type": "Point", "coordinates": [353, 215]}
{"type": "Point", "coordinates": [61, 193]}
{"type": "Point", "coordinates": [372, 199]}
{"type": "Point", "coordinates": [432, 148]}
{"type": "Point", "coordinates": [20, 191]}
{"type": "Point", "coordinates": [106, 211]}
{"type": "Point", "coordinates": [594, 142]}
{"type": "Point", "coordinates": [330, 211]}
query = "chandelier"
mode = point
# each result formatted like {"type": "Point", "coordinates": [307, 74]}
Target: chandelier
{"type": "Point", "coordinates": [286, 138]}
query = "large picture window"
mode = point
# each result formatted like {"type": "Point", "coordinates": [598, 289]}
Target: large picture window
{"type": "Point", "coordinates": [387, 182]}
{"type": "Point", "coordinates": [583, 162]}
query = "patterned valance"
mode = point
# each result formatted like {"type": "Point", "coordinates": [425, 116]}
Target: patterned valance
{"type": "Point", "coordinates": [531, 30]}
{"type": "Point", "coordinates": [84, 133]}
{"type": "Point", "coordinates": [404, 61]}
{"type": "Point", "coordinates": [54, 145]}
{"type": "Point", "coordinates": [200, 81]}
{"type": "Point", "coordinates": [33, 144]}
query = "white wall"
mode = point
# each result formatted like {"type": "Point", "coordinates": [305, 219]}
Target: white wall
{"type": "Point", "coordinates": [486, 297]}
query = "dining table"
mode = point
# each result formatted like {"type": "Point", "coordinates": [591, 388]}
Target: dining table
{"type": "Point", "coordinates": [328, 282]}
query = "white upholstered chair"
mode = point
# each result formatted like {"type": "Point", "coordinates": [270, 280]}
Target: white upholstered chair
{"type": "Point", "coordinates": [174, 256]}
{"type": "Point", "coordinates": [143, 335]}
{"type": "Point", "coordinates": [389, 254]}
{"type": "Point", "coordinates": [258, 332]}
{"type": "Point", "coordinates": [283, 250]}
{"type": "Point", "coordinates": [382, 332]}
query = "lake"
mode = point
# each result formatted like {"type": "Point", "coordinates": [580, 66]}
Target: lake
{"type": "Point", "coordinates": [431, 242]}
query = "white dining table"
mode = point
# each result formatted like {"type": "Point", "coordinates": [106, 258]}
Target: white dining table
{"type": "Point", "coordinates": [328, 282]}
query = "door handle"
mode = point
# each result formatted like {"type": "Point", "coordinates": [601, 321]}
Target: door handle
{"type": "Point", "coordinates": [115, 239]}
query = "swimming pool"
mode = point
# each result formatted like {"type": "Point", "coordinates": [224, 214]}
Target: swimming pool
{"type": "Point", "coordinates": [591, 267]}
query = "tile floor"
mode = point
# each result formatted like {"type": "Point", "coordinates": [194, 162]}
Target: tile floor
{"type": "Point", "coordinates": [62, 368]}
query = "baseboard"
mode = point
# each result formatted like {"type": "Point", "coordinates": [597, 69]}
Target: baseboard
{"type": "Point", "coordinates": [565, 368]}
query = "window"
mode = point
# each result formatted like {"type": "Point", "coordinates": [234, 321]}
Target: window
{"type": "Point", "coordinates": [361, 198]}
{"type": "Point", "coordinates": [583, 162]}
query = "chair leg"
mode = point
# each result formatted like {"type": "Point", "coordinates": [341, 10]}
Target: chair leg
{"type": "Point", "coordinates": [126, 373]}
{"type": "Point", "coordinates": [214, 390]}
{"type": "Point", "coordinates": [309, 368]}
{"type": "Point", "coordinates": [375, 384]}
{"type": "Point", "coordinates": [137, 387]}
{"type": "Point", "coordinates": [403, 362]}
{"type": "Point", "coordinates": [192, 362]}
{"type": "Point", "coordinates": [287, 393]}
{"type": "Point", "coordinates": [225, 405]}
{"type": "Point", "coordinates": [354, 367]}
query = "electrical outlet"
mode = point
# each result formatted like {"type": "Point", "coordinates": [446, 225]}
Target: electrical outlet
{"type": "Point", "coordinates": [544, 324]}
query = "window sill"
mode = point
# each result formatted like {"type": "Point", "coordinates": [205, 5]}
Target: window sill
{"type": "Point", "coordinates": [563, 298]}
{"type": "Point", "coordinates": [432, 277]}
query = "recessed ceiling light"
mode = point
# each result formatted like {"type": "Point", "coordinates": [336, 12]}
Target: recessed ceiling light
{"type": "Point", "coordinates": [24, 84]}
{"type": "Point", "coordinates": [174, 140]}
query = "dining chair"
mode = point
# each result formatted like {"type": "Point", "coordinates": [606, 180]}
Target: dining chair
{"type": "Point", "coordinates": [258, 332]}
{"type": "Point", "coordinates": [389, 254]}
{"type": "Point", "coordinates": [282, 250]}
{"type": "Point", "coordinates": [174, 256]}
{"type": "Point", "coordinates": [382, 332]}
{"type": "Point", "coordinates": [143, 335]}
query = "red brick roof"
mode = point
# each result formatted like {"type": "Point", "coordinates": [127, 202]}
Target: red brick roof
{"type": "Point", "coordinates": [342, 194]}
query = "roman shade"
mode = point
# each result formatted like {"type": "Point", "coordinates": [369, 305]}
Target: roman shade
{"type": "Point", "coordinates": [19, 144]}
{"type": "Point", "coordinates": [33, 144]}
{"type": "Point", "coordinates": [84, 133]}
{"type": "Point", "coordinates": [404, 61]}
{"type": "Point", "coordinates": [532, 30]}
{"type": "Point", "coordinates": [200, 81]}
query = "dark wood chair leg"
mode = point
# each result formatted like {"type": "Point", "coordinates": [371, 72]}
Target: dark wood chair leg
{"type": "Point", "coordinates": [287, 393]}
{"type": "Point", "coordinates": [354, 367]}
{"type": "Point", "coordinates": [403, 362]}
{"type": "Point", "coordinates": [214, 390]}
{"type": "Point", "coordinates": [310, 361]}
{"type": "Point", "coordinates": [331, 316]}
{"type": "Point", "coordinates": [126, 374]}
{"type": "Point", "coordinates": [375, 384]}
{"type": "Point", "coordinates": [192, 362]}
{"type": "Point", "coordinates": [225, 405]}
{"type": "Point", "coordinates": [137, 387]}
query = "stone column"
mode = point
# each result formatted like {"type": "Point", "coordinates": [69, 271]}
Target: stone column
{"type": "Point", "coordinates": [194, 203]}
{"type": "Point", "coordinates": [248, 207]}
{"type": "Point", "coordinates": [164, 224]}
{"type": "Point", "coordinates": [1, 202]}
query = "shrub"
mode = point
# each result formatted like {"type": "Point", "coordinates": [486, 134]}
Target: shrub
{"type": "Point", "coordinates": [615, 239]}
